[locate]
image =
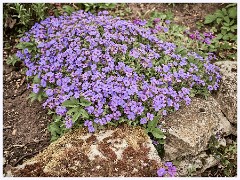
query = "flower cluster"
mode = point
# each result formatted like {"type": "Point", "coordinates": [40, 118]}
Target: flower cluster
{"type": "Point", "coordinates": [206, 37]}
{"type": "Point", "coordinates": [160, 26]}
{"type": "Point", "coordinates": [168, 170]}
{"type": "Point", "coordinates": [119, 66]}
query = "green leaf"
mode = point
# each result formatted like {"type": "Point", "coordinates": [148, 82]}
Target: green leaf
{"type": "Point", "coordinates": [113, 124]}
{"type": "Point", "coordinates": [219, 14]}
{"type": "Point", "coordinates": [226, 18]}
{"type": "Point", "coordinates": [233, 28]}
{"type": "Point", "coordinates": [232, 12]}
{"type": "Point", "coordinates": [224, 11]}
{"type": "Point", "coordinates": [152, 124]}
{"type": "Point", "coordinates": [226, 28]}
{"type": "Point", "coordinates": [23, 45]}
{"type": "Point", "coordinates": [57, 118]}
{"type": "Point", "coordinates": [122, 119]}
{"type": "Point", "coordinates": [54, 127]}
{"type": "Point", "coordinates": [71, 103]}
{"type": "Point", "coordinates": [73, 110]}
{"type": "Point", "coordinates": [39, 98]}
{"type": "Point", "coordinates": [231, 35]}
{"type": "Point", "coordinates": [219, 36]}
{"type": "Point", "coordinates": [50, 112]}
{"type": "Point", "coordinates": [68, 9]}
{"type": "Point", "coordinates": [84, 102]}
{"type": "Point", "coordinates": [225, 37]}
{"type": "Point", "coordinates": [36, 80]}
{"type": "Point", "coordinates": [76, 116]}
{"type": "Point", "coordinates": [209, 19]}
{"type": "Point", "coordinates": [161, 141]}
{"type": "Point", "coordinates": [84, 113]}
{"type": "Point", "coordinates": [32, 96]}
{"type": "Point", "coordinates": [231, 5]}
{"type": "Point", "coordinates": [157, 133]}
{"type": "Point", "coordinates": [12, 60]}
{"type": "Point", "coordinates": [223, 31]}
{"type": "Point", "coordinates": [219, 20]}
{"type": "Point", "coordinates": [226, 24]}
{"type": "Point", "coordinates": [232, 22]}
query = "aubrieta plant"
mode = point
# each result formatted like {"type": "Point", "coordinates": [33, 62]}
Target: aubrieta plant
{"type": "Point", "coordinates": [96, 70]}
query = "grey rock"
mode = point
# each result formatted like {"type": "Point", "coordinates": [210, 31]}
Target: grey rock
{"type": "Point", "coordinates": [190, 128]}
{"type": "Point", "coordinates": [227, 94]}
{"type": "Point", "coordinates": [123, 151]}
{"type": "Point", "coordinates": [194, 166]}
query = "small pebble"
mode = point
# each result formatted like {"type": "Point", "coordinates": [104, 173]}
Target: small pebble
{"type": "Point", "coordinates": [14, 132]}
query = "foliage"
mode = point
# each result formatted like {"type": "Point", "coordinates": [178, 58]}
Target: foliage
{"type": "Point", "coordinates": [220, 40]}
{"type": "Point", "coordinates": [57, 128]}
{"type": "Point", "coordinates": [21, 16]}
{"type": "Point", "coordinates": [227, 156]}
{"type": "Point", "coordinates": [93, 7]}
{"type": "Point", "coordinates": [122, 10]}
{"type": "Point", "coordinates": [12, 60]}
{"type": "Point", "coordinates": [224, 25]}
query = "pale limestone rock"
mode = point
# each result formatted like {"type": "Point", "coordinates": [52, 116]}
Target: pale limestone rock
{"type": "Point", "coordinates": [190, 128]}
{"type": "Point", "coordinates": [227, 93]}
{"type": "Point", "coordinates": [195, 165]}
{"type": "Point", "coordinates": [123, 151]}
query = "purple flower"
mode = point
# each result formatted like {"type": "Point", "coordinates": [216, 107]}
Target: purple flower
{"type": "Point", "coordinates": [165, 68]}
{"type": "Point", "coordinates": [131, 116]}
{"type": "Point", "coordinates": [49, 92]}
{"type": "Point", "coordinates": [168, 164]}
{"type": "Point", "coordinates": [164, 112]}
{"type": "Point", "coordinates": [176, 106]}
{"type": "Point", "coordinates": [150, 116]}
{"type": "Point", "coordinates": [88, 123]}
{"type": "Point", "coordinates": [207, 41]}
{"type": "Point", "coordinates": [155, 142]}
{"type": "Point", "coordinates": [143, 121]}
{"type": "Point", "coordinates": [36, 88]}
{"type": "Point", "coordinates": [165, 29]}
{"type": "Point", "coordinates": [134, 53]}
{"type": "Point", "coordinates": [91, 129]}
{"type": "Point", "coordinates": [161, 172]}
{"type": "Point", "coordinates": [169, 102]}
{"type": "Point", "coordinates": [43, 83]}
{"type": "Point", "coordinates": [139, 22]}
{"type": "Point", "coordinates": [68, 122]}
{"type": "Point", "coordinates": [61, 110]}
{"type": "Point", "coordinates": [172, 171]}
{"type": "Point", "coordinates": [156, 20]}
{"type": "Point", "coordinates": [167, 21]}
{"type": "Point", "coordinates": [210, 88]}
{"type": "Point", "coordinates": [90, 109]}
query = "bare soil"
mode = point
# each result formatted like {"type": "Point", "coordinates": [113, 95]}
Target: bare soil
{"type": "Point", "coordinates": [25, 124]}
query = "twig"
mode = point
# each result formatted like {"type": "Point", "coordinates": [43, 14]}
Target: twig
{"type": "Point", "coordinates": [26, 155]}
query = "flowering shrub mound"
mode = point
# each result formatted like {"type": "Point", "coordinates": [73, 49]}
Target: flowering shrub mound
{"type": "Point", "coordinates": [97, 69]}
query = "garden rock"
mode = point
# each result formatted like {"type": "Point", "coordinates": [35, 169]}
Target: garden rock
{"type": "Point", "coordinates": [194, 166]}
{"type": "Point", "coordinates": [122, 151]}
{"type": "Point", "coordinates": [190, 128]}
{"type": "Point", "coordinates": [227, 93]}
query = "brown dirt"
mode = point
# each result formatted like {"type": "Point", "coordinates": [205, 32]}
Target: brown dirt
{"type": "Point", "coordinates": [25, 124]}
{"type": "Point", "coordinates": [184, 13]}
